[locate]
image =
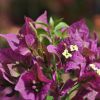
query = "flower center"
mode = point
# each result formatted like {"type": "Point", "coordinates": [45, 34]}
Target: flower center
{"type": "Point", "coordinates": [36, 86]}
{"type": "Point", "coordinates": [73, 47]}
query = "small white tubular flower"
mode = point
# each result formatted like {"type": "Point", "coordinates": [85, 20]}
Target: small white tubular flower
{"type": "Point", "coordinates": [97, 70]}
{"type": "Point", "coordinates": [17, 62]}
{"type": "Point", "coordinates": [34, 82]}
{"type": "Point", "coordinates": [66, 54]}
{"type": "Point", "coordinates": [92, 66]}
{"type": "Point", "coordinates": [73, 47]}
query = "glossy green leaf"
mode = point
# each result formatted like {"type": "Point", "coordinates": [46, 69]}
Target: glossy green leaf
{"type": "Point", "coordinates": [58, 33]}
{"type": "Point", "coordinates": [41, 31]}
{"type": "Point", "coordinates": [60, 25]}
{"type": "Point", "coordinates": [49, 98]}
{"type": "Point", "coordinates": [51, 21]}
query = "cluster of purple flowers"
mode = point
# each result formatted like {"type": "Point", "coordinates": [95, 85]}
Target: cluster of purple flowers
{"type": "Point", "coordinates": [33, 65]}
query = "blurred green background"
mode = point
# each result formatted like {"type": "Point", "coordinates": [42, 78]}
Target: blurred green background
{"type": "Point", "coordinates": [12, 12]}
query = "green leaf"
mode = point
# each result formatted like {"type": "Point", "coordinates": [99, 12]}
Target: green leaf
{"type": "Point", "coordinates": [41, 31]}
{"type": "Point", "coordinates": [60, 25]}
{"type": "Point", "coordinates": [67, 98]}
{"type": "Point", "coordinates": [58, 20]}
{"type": "Point", "coordinates": [58, 33]}
{"type": "Point", "coordinates": [51, 21]}
{"type": "Point", "coordinates": [33, 28]}
{"type": "Point", "coordinates": [49, 98]}
{"type": "Point", "coordinates": [45, 39]}
{"type": "Point", "coordinates": [43, 36]}
{"type": "Point", "coordinates": [74, 88]}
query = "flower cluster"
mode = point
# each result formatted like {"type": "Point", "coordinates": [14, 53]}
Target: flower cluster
{"type": "Point", "coordinates": [42, 53]}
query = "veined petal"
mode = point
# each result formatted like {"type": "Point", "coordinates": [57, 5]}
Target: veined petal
{"type": "Point", "coordinates": [52, 49]}
{"type": "Point", "coordinates": [12, 39]}
{"type": "Point", "coordinates": [42, 19]}
{"type": "Point", "coordinates": [26, 29]}
{"type": "Point", "coordinates": [20, 87]}
{"type": "Point", "coordinates": [29, 38]}
{"type": "Point", "coordinates": [40, 74]}
{"type": "Point", "coordinates": [4, 74]}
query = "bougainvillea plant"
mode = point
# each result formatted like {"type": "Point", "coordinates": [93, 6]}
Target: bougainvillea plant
{"type": "Point", "coordinates": [49, 60]}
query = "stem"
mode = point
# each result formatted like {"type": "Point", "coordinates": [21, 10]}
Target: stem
{"type": "Point", "coordinates": [73, 89]}
{"type": "Point", "coordinates": [67, 96]}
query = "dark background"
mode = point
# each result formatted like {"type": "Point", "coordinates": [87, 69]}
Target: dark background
{"type": "Point", "coordinates": [12, 12]}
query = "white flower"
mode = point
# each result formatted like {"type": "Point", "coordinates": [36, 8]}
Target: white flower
{"type": "Point", "coordinates": [73, 47]}
{"type": "Point", "coordinates": [66, 54]}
